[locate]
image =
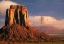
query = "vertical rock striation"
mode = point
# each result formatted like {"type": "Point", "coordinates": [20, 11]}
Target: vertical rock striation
{"type": "Point", "coordinates": [17, 14]}
{"type": "Point", "coordinates": [17, 28]}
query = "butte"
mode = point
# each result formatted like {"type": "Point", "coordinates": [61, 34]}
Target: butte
{"type": "Point", "coordinates": [17, 26]}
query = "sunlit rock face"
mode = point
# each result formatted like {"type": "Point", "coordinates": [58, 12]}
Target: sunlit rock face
{"type": "Point", "coordinates": [17, 28]}
{"type": "Point", "coordinates": [47, 20]}
{"type": "Point", "coordinates": [17, 14]}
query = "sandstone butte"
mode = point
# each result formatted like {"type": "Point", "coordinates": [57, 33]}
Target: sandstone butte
{"type": "Point", "coordinates": [17, 27]}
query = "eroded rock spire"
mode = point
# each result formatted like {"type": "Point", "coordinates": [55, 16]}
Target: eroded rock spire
{"type": "Point", "coordinates": [17, 14]}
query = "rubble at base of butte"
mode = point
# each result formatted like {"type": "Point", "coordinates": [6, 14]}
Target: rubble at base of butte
{"type": "Point", "coordinates": [17, 27]}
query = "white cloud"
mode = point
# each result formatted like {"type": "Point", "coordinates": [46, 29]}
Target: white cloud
{"type": "Point", "coordinates": [36, 21]}
{"type": "Point", "coordinates": [59, 24]}
{"type": "Point", "coordinates": [47, 19]}
{"type": "Point", "coordinates": [5, 0]}
{"type": "Point", "coordinates": [4, 5]}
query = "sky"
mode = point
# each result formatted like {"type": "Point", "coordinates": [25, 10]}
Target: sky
{"type": "Point", "coordinates": [52, 8]}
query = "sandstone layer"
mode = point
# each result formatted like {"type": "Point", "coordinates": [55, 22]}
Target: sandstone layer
{"type": "Point", "coordinates": [21, 33]}
{"type": "Point", "coordinates": [17, 27]}
{"type": "Point", "coordinates": [16, 14]}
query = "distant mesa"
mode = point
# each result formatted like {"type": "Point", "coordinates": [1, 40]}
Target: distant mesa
{"type": "Point", "coordinates": [47, 19]}
{"type": "Point", "coordinates": [17, 27]}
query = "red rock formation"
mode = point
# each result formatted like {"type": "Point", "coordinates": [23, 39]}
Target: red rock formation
{"type": "Point", "coordinates": [17, 28]}
{"type": "Point", "coordinates": [42, 20]}
{"type": "Point", "coordinates": [21, 33]}
{"type": "Point", "coordinates": [17, 14]}
{"type": "Point", "coordinates": [47, 20]}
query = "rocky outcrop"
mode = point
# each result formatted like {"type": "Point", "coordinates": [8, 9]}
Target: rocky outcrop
{"type": "Point", "coordinates": [17, 14]}
{"type": "Point", "coordinates": [17, 28]}
{"type": "Point", "coordinates": [21, 33]}
{"type": "Point", "coordinates": [47, 20]}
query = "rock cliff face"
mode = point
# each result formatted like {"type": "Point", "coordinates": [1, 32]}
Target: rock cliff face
{"type": "Point", "coordinates": [17, 28]}
{"type": "Point", "coordinates": [47, 20]}
{"type": "Point", "coordinates": [17, 14]}
{"type": "Point", "coordinates": [21, 33]}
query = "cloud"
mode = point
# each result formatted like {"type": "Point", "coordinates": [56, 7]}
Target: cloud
{"type": "Point", "coordinates": [34, 20]}
{"type": "Point", "coordinates": [4, 5]}
{"type": "Point", "coordinates": [46, 8]}
{"type": "Point", "coordinates": [59, 24]}
{"type": "Point", "coordinates": [5, 0]}
{"type": "Point", "coordinates": [48, 20]}
{"type": "Point", "coordinates": [39, 19]}
{"type": "Point", "coordinates": [53, 8]}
